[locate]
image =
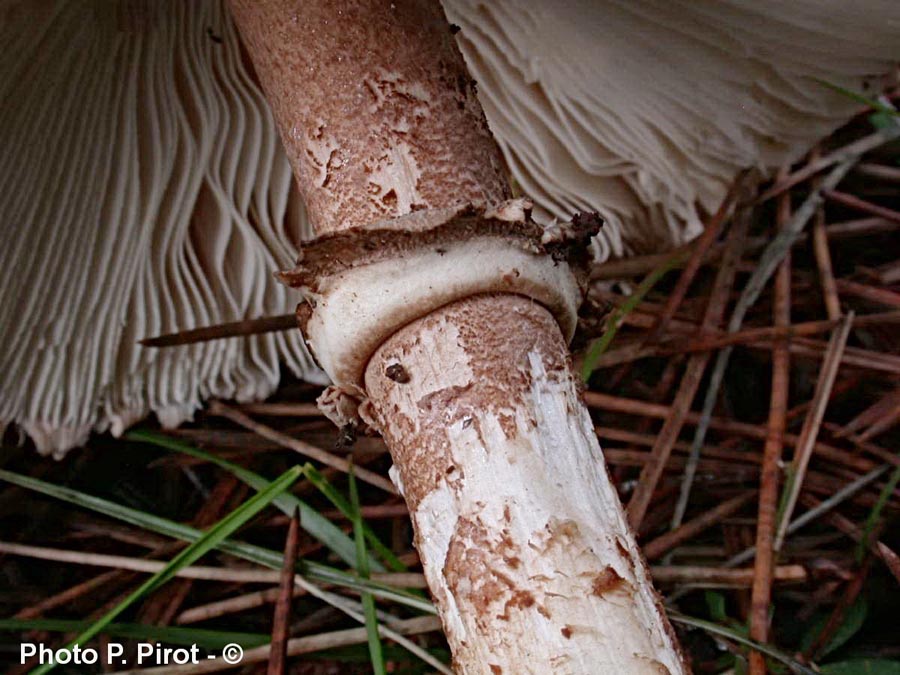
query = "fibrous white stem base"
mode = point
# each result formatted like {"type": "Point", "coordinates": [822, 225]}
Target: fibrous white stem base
{"type": "Point", "coordinates": [521, 534]}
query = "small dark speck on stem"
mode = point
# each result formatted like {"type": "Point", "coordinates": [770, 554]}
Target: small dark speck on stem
{"type": "Point", "coordinates": [397, 373]}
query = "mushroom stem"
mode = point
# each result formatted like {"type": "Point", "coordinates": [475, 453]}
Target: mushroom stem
{"type": "Point", "coordinates": [375, 106]}
{"type": "Point", "coordinates": [522, 537]}
{"type": "Point", "coordinates": [521, 534]}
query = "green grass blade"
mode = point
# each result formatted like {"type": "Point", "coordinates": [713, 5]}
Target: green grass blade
{"type": "Point", "coordinates": [854, 618]}
{"type": "Point", "coordinates": [874, 517]}
{"type": "Point", "coordinates": [735, 636]}
{"type": "Point", "coordinates": [368, 602]}
{"type": "Point", "coordinates": [862, 667]}
{"type": "Point", "coordinates": [327, 489]}
{"type": "Point", "coordinates": [599, 347]}
{"type": "Point", "coordinates": [175, 635]}
{"type": "Point", "coordinates": [311, 520]}
{"type": "Point", "coordinates": [257, 554]}
{"type": "Point", "coordinates": [789, 478]}
{"type": "Point", "coordinates": [216, 534]}
{"type": "Point", "coordinates": [878, 106]}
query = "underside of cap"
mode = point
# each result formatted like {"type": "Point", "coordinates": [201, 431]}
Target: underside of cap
{"type": "Point", "coordinates": [144, 190]}
{"type": "Point", "coordinates": [645, 111]}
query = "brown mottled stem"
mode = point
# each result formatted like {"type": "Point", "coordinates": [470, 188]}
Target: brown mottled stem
{"type": "Point", "coordinates": [522, 538]}
{"type": "Point", "coordinates": [375, 106]}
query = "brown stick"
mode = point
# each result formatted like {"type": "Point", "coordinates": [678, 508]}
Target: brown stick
{"type": "Point", "coordinates": [636, 407]}
{"type": "Point", "coordinates": [823, 261]}
{"type": "Point", "coordinates": [862, 146]}
{"type": "Point", "coordinates": [699, 251]}
{"type": "Point", "coordinates": [652, 471]}
{"type": "Point", "coordinates": [883, 454]}
{"type": "Point", "coordinates": [851, 593]}
{"type": "Point", "coordinates": [886, 274]}
{"type": "Point", "coordinates": [849, 528]}
{"type": "Point", "coordinates": [859, 227]}
{"type": "Point", "coordinates": [700, 343]}
{"type": "Point", "coordinates": [666, 542]}
{"type": "Point", "coordinates": [101, 581]}
{"type": "Point", "coordinates": [724, 469]}
{"type": "Point", "coordinates": [769, 475]}
{"type": "Point", "coordinates": [644, 315]}
{"type": "Point", "coordinates": [879, 171]}
{"type": "Point", "coordinates": [811, 424]}
{"type": "Point", "coordinates": [266, 324]}
{"type": "Point", "coordinates": [301, 645]}
{"type": "Point", "coordinates": [283, 322]}
{"type": "Point", "coordinates": [162, 607]}
{"type": "Point", "coordinates": [305, 449]}
{"type": "Point", "coordinates": [281, 624]}
{"type": "Point", "coordinates": [878, 417]}
{"type": "Point", "coordinates": [615, 269]}
{"type": "Point", "coordinates": [230, 605]}
{"type": "Point", "coordinates": [636, 438]}
{"type": "Point", "coordinates": [739, 577]}
{"type": "Point", "coordinates": [882, 296]}
{"type": "Point", "coordinates": [852, 356]}
{"type": "Point", "coordinates": [854, 202]}
{"type": "Point", "coordinates": [624, 268]}
{"type": "Point", "coordinates": [282, 409]}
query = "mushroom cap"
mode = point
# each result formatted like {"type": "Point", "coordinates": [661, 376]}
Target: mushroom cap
{"type": "Point", "coordinates": [145, 191]}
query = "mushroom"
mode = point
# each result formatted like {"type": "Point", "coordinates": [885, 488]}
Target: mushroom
{"type": "Point", "coordinates": [435, 301]}
{"type": "Point", "coordinates": [145, 189]}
